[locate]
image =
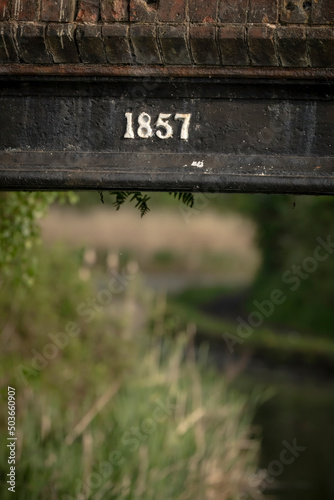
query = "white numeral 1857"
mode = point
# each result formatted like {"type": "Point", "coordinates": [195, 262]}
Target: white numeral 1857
{"type": "Point", "coordinates": [165, 130]}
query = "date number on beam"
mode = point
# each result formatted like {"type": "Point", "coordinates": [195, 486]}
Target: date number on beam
{"type": "Point", "coordinates": [162, 128]}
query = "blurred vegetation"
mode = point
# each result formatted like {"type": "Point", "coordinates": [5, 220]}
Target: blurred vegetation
{"type": "Point", "coordinates": [288, 228]}
{"type": "Point", "coordinates": [119, 410]}
{"type": "Point", "coordinates": [105, 384]}
{"type": "Point", "coordinates": [19, 231]}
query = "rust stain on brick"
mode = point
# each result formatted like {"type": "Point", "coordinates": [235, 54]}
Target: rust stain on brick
{"type": "Point", "coordinates": [208, 19]}
{"type": "Point", "coordinates": [114, 10]}
{"type": "Point", "coordinates": [4, 9]}
{"type": "Point", "coordinates": [141, 11]}
{"type": "Point", "coordinates": [89, 11]}
{"type": "Point", "coordinates": [295, 11]}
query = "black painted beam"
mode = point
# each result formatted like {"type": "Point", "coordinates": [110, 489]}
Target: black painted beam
{"type": "Point", "coordinates": [195, 134]}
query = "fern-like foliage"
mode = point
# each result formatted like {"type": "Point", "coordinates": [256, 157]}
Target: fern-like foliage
{"type": "Point", "coordinates": [186, 198]}
{"type": "Point", "coordinates": [141, 199]}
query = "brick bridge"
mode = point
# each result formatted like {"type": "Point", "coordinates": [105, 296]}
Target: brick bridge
{"type": "Point", "coordinates": [193, 95]}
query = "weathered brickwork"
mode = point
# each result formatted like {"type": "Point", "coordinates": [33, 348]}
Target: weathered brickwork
{"type": "Point", "coordinates": [89, 11]}
{"type": "Point", "coordinates": [91, 45]}
{"type": "Point", "coordinates": [25, 10]}
{"type": "Point", "coordinates": [4, 9]}
{"type": "Point", "coordinates": [58, 11]}
{"type": "Point", "coordinates": [61, 43]}
{"type": "Point", "coordinates": [173, 41]}
{"type": "Point", "coordinates": [31, 43]}
{"type": "Point", "coordinates": [292, 46]}
{"type": "Point", "coordinates": [144, 41]}
{"type": "Point", "coordinates": [114, 10]}
{"type": "Point", "coordinates": [261, 42]}
{"type": "Point", "coordinates": [321, 47]}
{"type": "Point", "coordinates": [8, 51]}
{"type": "Point", "coordinates": [233, 45]}
{"type": "Point", "coordinates": [259, 33]}
{"type": "Point", "coordinates": [117, 44]}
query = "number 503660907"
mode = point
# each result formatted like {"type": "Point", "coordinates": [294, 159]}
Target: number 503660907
{"type": "Point", "coordinates": [162, 128]}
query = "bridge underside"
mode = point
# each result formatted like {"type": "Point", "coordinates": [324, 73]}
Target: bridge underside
{"type": "Point", "coordinates": [167, 95]}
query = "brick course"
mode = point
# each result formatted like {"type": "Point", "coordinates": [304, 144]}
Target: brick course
{"type": "Point", "coordinates": [203, 44]}
{"type": "Point", "coordinates": [144, 42]}
{"type": "Point", "coordinates": [233, 45]}
{"type": "Point", "coordinates": [32, 45]}
{"type": "Point", "coordinates": [117, 43]}
{"type": "Point", "coordinates": [90, 43]}
{"type": "Point", "coordinates": [292, 47]}
{"type": "Point", "coordinates": [173, 41]}
{"type": "Point", "coordinates": [321, 47]}
{"type": "Point", "coordinates": [7, 46]}
{"type": "Point", "coordinates": [259, 33]}
{"type": "Point", "coordinates": [61, 43]}
{"type": "Point", "coordinates": [261, 44]}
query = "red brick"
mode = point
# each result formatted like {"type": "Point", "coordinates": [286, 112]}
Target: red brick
{"type": "Point", "coordinates": [25, 10]}
{"type": "Point", "coordinates": [89, 11]}
{"type": "Point", "coordinates": [58, 10]}
{"type": "Point", "coordinates": [263, 11]}
{"type": "Point", "coordinates": [233, 46]}
{"type": "Point", "coordinates": [114, 10]}
{"type": "Point", "coordinates": [232, 11]}
{"type": "Point", "coordinates": [142, 12]}
{"type": "Point", "coordinates": [292, 49]}
{"type": "Point", "coordinates": [202, 11]}
{"type": "Point", "coordinates": [262, 46]}
{"type": "Point", "coordinates": [295, 11]}
{"type": "Point", "coordinates": [323, 12]}
{"type": "Point", "coordinates": [203, 44]}
{"type": "Point", "coordinates": [173, 12]}
{"type": "Point", "coordinates": [4, 9]}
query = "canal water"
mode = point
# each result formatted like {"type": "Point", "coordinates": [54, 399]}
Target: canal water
{"type": "Point", "coordinates": [296, 414]}
{"type": "Point", "coordinates": [298, 417]}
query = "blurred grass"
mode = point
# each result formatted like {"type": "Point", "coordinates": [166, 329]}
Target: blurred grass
{"type": "Point", "coordinates": [123, 410]}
